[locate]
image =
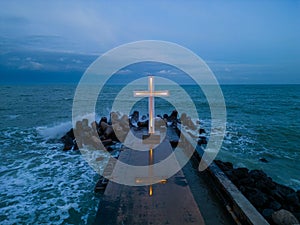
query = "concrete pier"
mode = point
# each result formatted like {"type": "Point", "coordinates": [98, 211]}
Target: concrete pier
{"type": "Point", "coordinates": [188, 197]}
{"type": "Point", "coordinates": [168, 202]}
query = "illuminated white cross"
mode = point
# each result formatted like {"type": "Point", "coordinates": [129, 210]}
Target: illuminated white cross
{"type": "Point", "coordinates": [151, 94]}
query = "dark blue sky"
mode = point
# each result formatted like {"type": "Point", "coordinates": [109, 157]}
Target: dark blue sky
{"type": "Point", "coordinates": [242, 41]}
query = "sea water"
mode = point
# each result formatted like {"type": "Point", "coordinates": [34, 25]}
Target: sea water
{"type": "Point", "coordinates": [42, 184]}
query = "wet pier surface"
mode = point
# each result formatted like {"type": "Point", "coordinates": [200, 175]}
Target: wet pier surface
{"type": "Point", "coordinates": [184, 198]}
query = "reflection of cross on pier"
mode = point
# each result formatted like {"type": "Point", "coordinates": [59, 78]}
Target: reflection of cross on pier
{"type": "Point", "coordinates": [151, 179]}
{"type": "Point", "coordinates": [151, 130]}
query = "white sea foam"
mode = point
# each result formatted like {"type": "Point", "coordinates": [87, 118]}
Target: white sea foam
{"type": "Point", "coordinates": [46, 187]}
{"type": "Point", "coordinates": [55, 131]}
{"type": "Point", "coordinates": [295, 181]}
{"type": "Point", "coordinates": [12, 117]}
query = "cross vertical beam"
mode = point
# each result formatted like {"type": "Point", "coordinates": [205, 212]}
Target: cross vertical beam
{"type": "Point", "coordinates": [151, 94]}
{"type": "Point", "coordinates": [151, 106]}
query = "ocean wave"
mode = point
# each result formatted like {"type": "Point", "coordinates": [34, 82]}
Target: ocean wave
{"type": "Point", "coordinates": [55, 131]}
{"type": "Point", "coordinates": [12, 117]}
{"type": "Point", "coordinates": [42, 185]}
{"type": "Point", "coordinates": [68, 99]}
{"type": "Point", "coordinates": [44, 188]}
{"type": "Point", "coordinates": [295, 181]}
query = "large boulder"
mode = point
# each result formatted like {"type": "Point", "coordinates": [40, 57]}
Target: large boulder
{"type": "Point", "coordinates": [267, 213]}
{"type": "Point", "coordinates": [68, 140]}
{"type": "Point", "coordinates": [284, 217]}
{"type": "Point", "coordinates": [298, 193]}
{"type": "Point", "coordinates": [256, 197]}
{"type": "Point", "coordinates": [284, 190]}
{"type": "Point", "coordinates": [240, 173]}
{"type": "Point", "coordinates": [258, 174]}
{"type": "Point", "coordinates": [266, 185]}
{"type": "Point", "coordinates": [247, 181]}
{"type": "Point", "coordinates": [232, 177]}
{"type": "Point", "coordinates": [292, 199]}
{"type": "Point", "coordinates": [225, 166]}
{"type": "Point", "coordinates": [275, 205]}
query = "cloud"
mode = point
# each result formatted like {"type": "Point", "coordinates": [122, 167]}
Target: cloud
{"type": "Point", "coordinates": [77, 61]}
{"type": "Point", "coordinates": [124, 72]}
{"type": "Point", "coordinates": [165, 72]}
{"type": "Point", "coordinates": [62, 25]}
{"type": "Point", "coordinates": [208, 29]}
{"type": "Point", "coordinates": [32, 65]}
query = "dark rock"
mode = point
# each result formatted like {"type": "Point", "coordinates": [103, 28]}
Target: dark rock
{"type": "Point", "coordinates": [109, 149]}
{"type": "Point", "coordinates": [263, 160]}
{"type": "Point", "coordinates": [197, 156]}
{"type": "Point", "coordinates": [289, 208]}
{"type": "Point", "coordinates": [134, 118]}
{"type": "Point", "coordinates": [201, 131]}
{"type": "Point", "coordinates": [68, 140]}
{"type": "Point", "coordinates": [298, 193]}
{"type": "Point", "coordinates": [76, 146]}
{"type": "Point", "coordinates": [165, 116]}
{"type": "Point", "coordinates": [277, 195]}
{"type": "Point", "coordinates": [243, 189]}
{"type": "Point", "coordinates": [256, 197]}
{"type": "Point", "coordinates": [292, 199]}
{"type": "Point", "coordinates": [70, 133]}
{"type": "Point", "coordinates": [266, 195]}
{"type": "Point", "coordinates": [271, 183]}
{"type": "Point", "coordinates": [225, 166]}
{"type": "Point", "coordinates": [267, 213]}
{"type": "Point", "coordinates": [284, 217]}
{"type": "Point", "coordinates": [258, 174]}
{"type": "Point", "coordinates": [101, 184]}
{"type": "Point", "coordinates": [249, 182]}
{"type": "Point", "coordinates": [143, 123]}
{"type": "Point", "coordinates": [202, 141]}
{"type": "Point", "coordinates": [231, 176]}
{"type": "Point", "coordinates": [173, 117]}
{"type": "Point", "coordinates": [240, 172]}
{"type": "Point", "coordinates": [275, 205]}
{"type": "Point", "coordinates": [266, 185]}
{"type": "Point", "coordinates": [68, 143]}
{"type": "Point", "coordinates": [284, 190]}
{"type": "Point", "coordinates": [103, 119]}
{"type": "Point", "coordinates": [297, 215]}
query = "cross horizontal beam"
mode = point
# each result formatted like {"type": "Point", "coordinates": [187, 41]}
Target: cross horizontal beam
{"type": "Point", "coordinates": [149, 180]}
{"type": "Point", "coordinates": [147, 93]}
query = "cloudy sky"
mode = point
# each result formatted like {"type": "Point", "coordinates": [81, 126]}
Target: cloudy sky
{"type": "Point", "coordinates": [242, 41]}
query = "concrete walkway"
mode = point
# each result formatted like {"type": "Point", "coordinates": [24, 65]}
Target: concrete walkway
{"type": "Point", "coordinates": [169, 202]}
